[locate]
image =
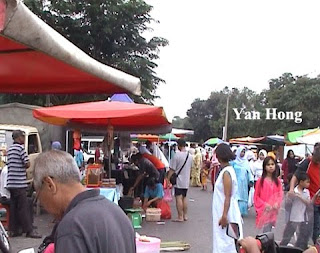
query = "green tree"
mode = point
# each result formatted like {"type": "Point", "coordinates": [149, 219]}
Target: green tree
{"type": "Point", "coordinates": [208, 116]}
{"type": "Point", "coordinates": [112, 32]}
{"type": "Point", "coordinates": [293, 94]}
{"type": "Point", "coordinates": [200, 117]}
{"type": "Point", "coordinates": [182, 123]}
{"type": "Point", "coordinates": [287, 93]}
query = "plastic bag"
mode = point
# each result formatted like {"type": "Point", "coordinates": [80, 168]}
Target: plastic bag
{"type": "Point", "coordinates": [167, 192]}
{"type": "Point", "coordinates": [165, 209]}
{"type": "Point", "coordinates": [167, 195]}
{"type": "Point", "coordinates": [250, 199]}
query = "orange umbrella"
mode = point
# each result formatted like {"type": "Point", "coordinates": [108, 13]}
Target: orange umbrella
{"type": "Point", "coordinates": [145, 137]}
{"type": "Point", "coordinates": [138, 118]}
{"type": "Point", "coordinates": [154, 138]}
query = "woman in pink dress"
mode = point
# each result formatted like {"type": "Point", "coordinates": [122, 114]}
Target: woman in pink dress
{"type": "Point", "coordinates": [268, 196]}
{"type": "Point", "coordinates": [215, 167]}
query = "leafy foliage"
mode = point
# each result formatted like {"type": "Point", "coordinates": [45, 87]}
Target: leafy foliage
{"type": "Point", "coordinates": [178, 122]}
{"type": "Point", "coordinates": [286, 93]}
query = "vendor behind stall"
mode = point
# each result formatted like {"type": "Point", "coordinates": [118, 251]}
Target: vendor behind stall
{"type": "Point", "coordinates": [153, 193]}
{"type": "Point", "coordinates": [146, 170]}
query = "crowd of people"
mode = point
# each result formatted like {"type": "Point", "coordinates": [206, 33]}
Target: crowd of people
{"type": "Point", "coordinates": [244, 178]}
{"type": "Point", "coordinates": [240, 173]}
{"type": "Point", "coordinates": [241, 178]}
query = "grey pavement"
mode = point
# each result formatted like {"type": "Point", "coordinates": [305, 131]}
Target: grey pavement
{"type": "Point", "coordinates": [197, 230]}
{"type": "Point", "coordinates": [44, 224]}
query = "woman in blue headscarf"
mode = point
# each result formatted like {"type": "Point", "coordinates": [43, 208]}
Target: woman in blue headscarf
{"type": "Point", "coordinates": [244, 178]}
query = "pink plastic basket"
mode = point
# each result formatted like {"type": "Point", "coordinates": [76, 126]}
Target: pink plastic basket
{"type": "Point", "coordinates": [148, 247]}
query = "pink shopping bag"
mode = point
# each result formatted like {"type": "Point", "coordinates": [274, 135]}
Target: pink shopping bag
{"type": "Point", "coordinates": [167, 195]}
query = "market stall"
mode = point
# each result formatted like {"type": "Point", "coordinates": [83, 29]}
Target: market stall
{"type": "Point", "coordinates": [291, 137]}
{"type": "Point", "coordinates": [107, 117]}
{"type": "Point", "coordinates": [310, 138]}
{"type": "Point", "coordinates": [277, 140]}
{"type": "Point", "coordinates": [153, 138]}
{"type": "Point", "coordinates": [300, 141]}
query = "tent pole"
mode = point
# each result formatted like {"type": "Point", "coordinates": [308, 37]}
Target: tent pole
{"type": "Point", "coordinates": [67, 141]}
{"type": "Point", "coordinates": [169, 148]}
{"type": "Point", "coordinates": [109, 143]}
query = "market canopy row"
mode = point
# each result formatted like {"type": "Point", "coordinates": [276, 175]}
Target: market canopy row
{"type": "Point", "coordinates": [264, 140]}
{"type": "Point", "coordinates": [310, 138]}
{"type": "Point", "coordinates": [154, 138]}
{"type": "Point", "coordinates": [306, 136]}
{"type": "Point", "coordinates": [293, 137]}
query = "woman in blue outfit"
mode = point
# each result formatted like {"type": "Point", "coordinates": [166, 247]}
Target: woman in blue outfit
{"type": "Point", "coordinates": [244, 178]}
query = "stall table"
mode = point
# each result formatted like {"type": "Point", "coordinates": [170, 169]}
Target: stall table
{"type": "Point", "coordinates": [110, 193]}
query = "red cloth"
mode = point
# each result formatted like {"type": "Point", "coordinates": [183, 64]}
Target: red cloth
{"type": "Point", "coordinates": [285, 170]}
{"type": "Point", "coordinates": [270, 194]}
{"type": "Point", "coordinates": [76, 140]}
{"type": "Point", "coordinates": [155, 161]}
{"type": "Point", "coordinates": [314, 174]}
{"type": "Point", "coordinates": [97, 155]}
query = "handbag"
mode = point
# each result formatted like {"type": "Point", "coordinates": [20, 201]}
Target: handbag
{"type": "Point", "coordinates": [173, 178]}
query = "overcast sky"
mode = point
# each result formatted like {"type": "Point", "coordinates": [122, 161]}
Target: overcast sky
{"type": "Point", "coordinates": [235, 43]}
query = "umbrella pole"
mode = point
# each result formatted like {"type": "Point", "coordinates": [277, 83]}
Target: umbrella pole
{"type": "Point", "coordinates": [109, 161]}
{"type": "Point", "coordinates": [169, 148]}
{"type": "Point", "coordinates": [109, 144]}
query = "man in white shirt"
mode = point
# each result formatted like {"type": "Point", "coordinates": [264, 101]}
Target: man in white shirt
{"type": "Point", "coordinates": [181, 164]}
{"type": "Point", "coordinates": [4, 193]}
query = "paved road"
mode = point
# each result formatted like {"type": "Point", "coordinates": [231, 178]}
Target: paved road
{"type": "Point", "coordinates": [197, 230]}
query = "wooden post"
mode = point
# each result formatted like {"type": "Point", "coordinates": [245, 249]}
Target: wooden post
{"type": "Point", "coordinates": [225, 132]}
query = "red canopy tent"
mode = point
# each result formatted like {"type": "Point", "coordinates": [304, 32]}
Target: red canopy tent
{"type": "Point", "coordinates": [137, 118]}
{"type": "Point", "coordinates": [34, 58]}
{"type": "Point", "coordinates": [106, 115]}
